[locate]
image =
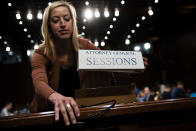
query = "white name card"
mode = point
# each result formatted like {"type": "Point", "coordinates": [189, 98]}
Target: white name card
{"type": "Point", "coordinates": [109, 60]}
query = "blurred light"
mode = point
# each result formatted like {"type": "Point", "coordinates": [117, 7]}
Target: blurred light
{"type": "Point", "coordinates": [83, 33]}
{"type": "Point", "coordinates": [32, 41]}
{"type": "Point", "coordinates": [36, 46]}
{"type": "Point", "coordinates": [111, 26]}
{"type": "Point", "coordinates": [0, 37]}
{"type": "Point", "coordinates": [8, 48]}
{"type": "Point", "coordinates": [147, 45]}
{"type": "Point", "coordinates": [5, 42]}
{"type": "Point", "coordinates": [49, 3]}
{"type": "Point", "coordinates": [137, 25]}
{"type": "Point", "coordinates": [28, 52]}
{"type": "Point", "coordinates": [9, 4]}
{"type": "Point", "coordinates": [97, 14]}
{"type": "Point", "coordinates": [108, 32]}
{"type": "Point", "coordinates": [122, 2]}
{"type": "Point", "coordinates": [143, 17]}
{"type": "Point", "coordinates": [106, 13]}
{"type": "Point", "coordinates": [29, 15]}
{"type": "Point", "coordinates": [114, 19]}
{"type": "Point", "coordinates": [86, 3]}
{"type": "Point", "coordinates": [150, 12]}
{"type": "Point", "coordinates": [102, 43]}
{"type": "Point", "coordinates": [29, 36]}
{"type": "Point", "coordinates": [137, 48]}
{"type": "Point", "coordinates": [129, 36]}
{"type": "Point", "coordinates": [25, 29]}
{"type": "Point", "coordinates": [96, 43]}
{"type": "Point", "coordinates": [105, 37]}
{"type": "Point", "coordinates": [20, 22]}
{"type": "Point", "coordinates": [39, 15]}
{"type": "Point", "coordinates": [84, 20]}
{"type": "Point", "coordinates": [127, 41]}
{"type": "Point", "coordinates": [83, 27]}
{"type": "Point", "coordinates": [10, 53]}
{"type": "Point", "coordinates": [18, 16]}
{"type": "Point", "coordinates": [116, 12]}
{"type": "Point", "coordinates": [156, 1]}
{"type": "Point", "coordinates": [133, 31]}
{"type": "Point", "coordinates": [88, 13]}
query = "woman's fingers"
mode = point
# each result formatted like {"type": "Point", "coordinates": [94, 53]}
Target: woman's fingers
{"type": "Point", "coordinates": [56, 109]}
{"type": "Point", "coordinates": [64, 113]}
{"type": "Point", "coordinates": [71, 113]}
{"type": "Point", "coordinates": [75, 107]}
{"type": "Point", "coordinates": [68, 108]}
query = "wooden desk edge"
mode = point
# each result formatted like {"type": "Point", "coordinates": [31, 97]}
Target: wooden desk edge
{"type": "Point", "coordinates": [120, 109]}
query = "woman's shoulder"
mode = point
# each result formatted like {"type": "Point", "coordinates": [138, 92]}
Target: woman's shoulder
{"type": "Point", "coordinates": [86, 44]}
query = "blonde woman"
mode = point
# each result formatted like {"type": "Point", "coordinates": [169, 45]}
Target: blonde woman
{"type": "Point", "coordinates": [54, 63]}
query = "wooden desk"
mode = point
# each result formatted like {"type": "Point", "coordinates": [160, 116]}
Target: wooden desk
{"type": "Point", "coordinates": [173, 114]}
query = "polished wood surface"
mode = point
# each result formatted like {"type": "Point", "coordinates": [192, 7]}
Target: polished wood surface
{"type": "Point", "coordinates": [173, 113]}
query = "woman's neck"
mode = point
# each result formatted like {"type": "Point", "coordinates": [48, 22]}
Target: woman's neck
{"type": "Point", "coordinates": [64, 47]}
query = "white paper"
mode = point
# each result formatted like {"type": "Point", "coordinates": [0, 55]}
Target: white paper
{"type": "Point", "coordinates": [109, 60]}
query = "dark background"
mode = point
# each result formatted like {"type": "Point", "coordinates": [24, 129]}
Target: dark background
{"type": "Point", "coordinates": [171, 32]}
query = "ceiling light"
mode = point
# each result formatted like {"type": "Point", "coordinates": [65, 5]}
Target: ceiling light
{"type": "Point", "coordinates": [83, 33]}
{"type": "Point", "coordinates": [49, 3]}
{"type": "Point", "coordinates": [20, 22]}
{"type": "Point", "coordinates": [156, 1]}
{"type": "Point", "coordinates": [96, 43]}
{"type": "Point", "coordinates": [28, 52]}
{"type": "Point", "coordinates": [111, 26]}
{"type": "Point", "coordinates": [150, 12]}
{"type": "Point", "coordinates": [106, 13]}
{"type": "Point", "coordinates": [25, 29]}
{"type": "Point", "coordinates": [39, 15]}
{"type": "Point", "coordinates": [29, 15]}
{"type": "Point", "coordinates": [86, 3]}
{"type": "Point", "coordinates": [137, 25]}
{"type": "Point", "coordinates": [122, 2]}
{"type": "Point", "coordinates": [133, 31]}
{"type": "Point", "coordinates": [88, 13]}
{"type": "Point", "coordinates": [7, 48]}
{"type": "Point", "coordinates": [102, 43]}
{"type": "Point", "coordinates": [36, 46]}
{"type": "Point", "coordinates": [32, 41]}
{"type": "Point", "coordinates": [97, 14]}
{"type": "Point", "coordinates": [127, 41]}
{"type": "Point", "coordinates": [9, 4]}
{"type": "Point", "coordinates": [143, 17]}
{"type": "Point", "coordinates": [18, 16]}
{"type": "Point", "coordinates": [114, 19]}
{"type": "Point", "coordinates": [116, 12]}
{"type": "Point", "coordinates": [137, 48]}
{"type": "Point", "coordinates": [84, 20]}
{"type": "Point", "coordinates": [29, 36]}
{"type": "Point", "coordinates": [147, 45]}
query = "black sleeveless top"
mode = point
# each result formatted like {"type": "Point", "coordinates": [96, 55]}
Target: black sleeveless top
{"type": "Point", "coordinates": [69, 81]}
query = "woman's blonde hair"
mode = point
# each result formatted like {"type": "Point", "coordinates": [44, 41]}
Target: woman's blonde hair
{"type": "Point", "coordinates": [47, 34]}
